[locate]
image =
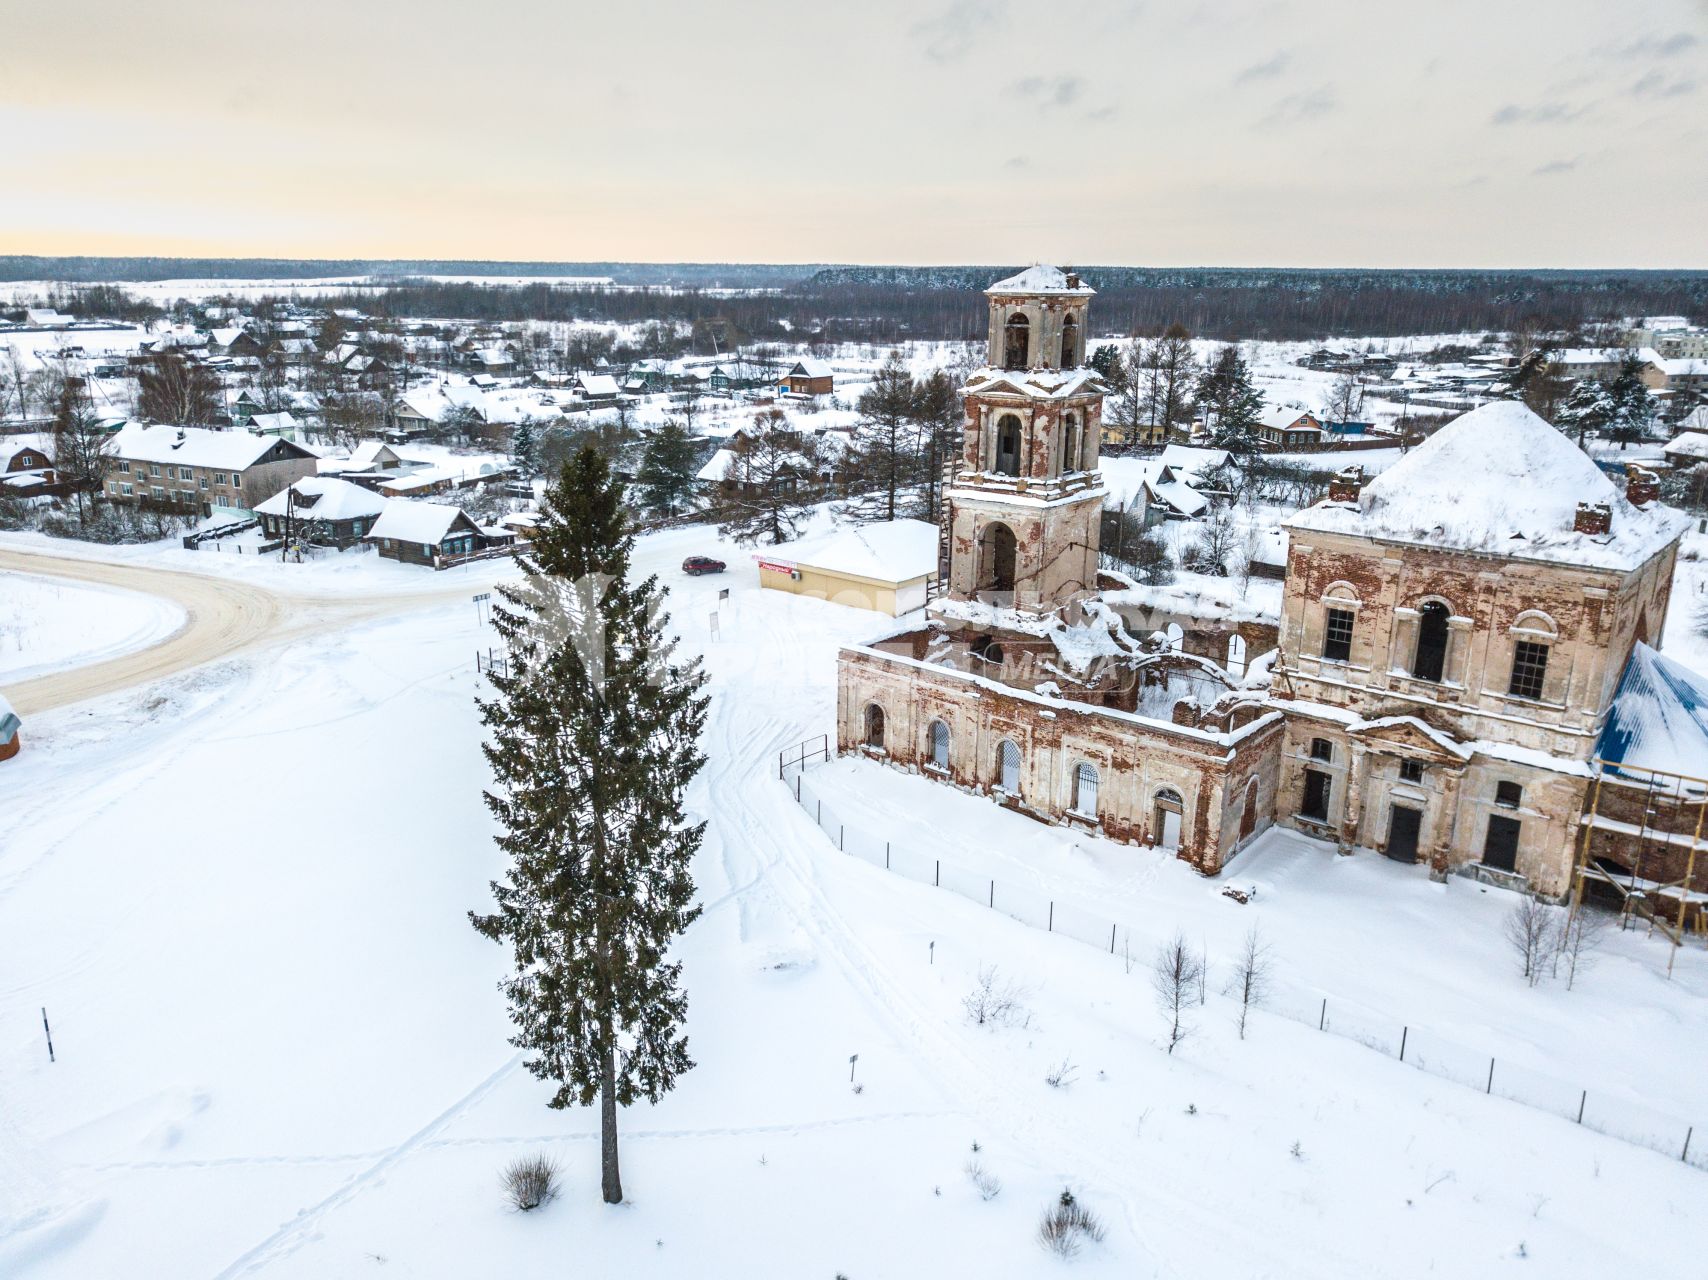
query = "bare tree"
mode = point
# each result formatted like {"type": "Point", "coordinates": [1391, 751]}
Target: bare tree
{"type": "Point", "coordinates": [993, 1000]}
{"type": "Point", "coordinates": [1170, 374]}
{"type": "Point", "coordinates": [1345, 400]}
{"type": "Point", "coordinates": [80, 456]}
{"type": "Point", "coordinates": [767, 491]}
{"type": "Point", "coordinates": [1174, 980]}
{"type": "Point", "coordinates": [1218, 538]}
{"type": "Point", "coordinates": [1533, 931]}
{"type": "Point", "coordinates": [1250, 982]}
{"type": "Point", "coordinates": [174, 390]}
{"type": "Point", "coordinates": [1580, 938]}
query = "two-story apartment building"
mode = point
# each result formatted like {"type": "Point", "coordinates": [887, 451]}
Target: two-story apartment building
{"type": "Point", "coordinates": [193, 469]}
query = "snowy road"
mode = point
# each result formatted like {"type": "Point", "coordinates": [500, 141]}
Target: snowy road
{"type": "Point", "coordinates": [222, 617]}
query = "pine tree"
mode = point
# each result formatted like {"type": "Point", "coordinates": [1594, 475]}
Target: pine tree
{"type": "Point", "coordinates": [594, 734]}
{"type": "Point", "coordinates": [885, 466]}
{"type": "Point", "coordinates": [668, 468]}
{"type": "Point", "coordinates": [937, 413]}
{"type": "Point", "coordinates": [524, 448]}
{"type": "Point", "coordinates": [1632, 410]}
{"type": "Point", "coordinates": [1586, 411]}
{"type": "Point", "coordinates": [1230, 404]}
{"type": "Point", "coordinates": [1107, 361]}
{"type": "Point", "coordinates": [767, 492]}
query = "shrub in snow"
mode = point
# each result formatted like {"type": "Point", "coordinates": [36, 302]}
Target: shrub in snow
{"type": "Point", "coordinates": [1067, 1225]}
{"type": "Point", "coordinates": [531, 1182]}
{"type": "Point", "coordinates": [988, 1185]}
{"type": "Point", "coordinates": [993, 1001]}
{"type": "Point", "coordinates": [1061, 1075]}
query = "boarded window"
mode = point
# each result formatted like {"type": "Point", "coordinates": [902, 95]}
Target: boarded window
{"type": "Point", "coordinates": [1008, 767]}
{"type": "Point", "coordinates": [1322, 749]}
{"type": "Point", "coordinates": [1411, 771]}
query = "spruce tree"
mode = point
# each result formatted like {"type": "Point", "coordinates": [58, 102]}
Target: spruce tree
{"type": "Point", "coordinates": [885, 468]}
{"type": "Point", "coordinates": [594, 733]}
{"type": "Point", "coordinates": [524, 448]}
{"type": "Point", "coordinates": [669, 465]}
{"type": "Point", "coordinates": [1230, 404]}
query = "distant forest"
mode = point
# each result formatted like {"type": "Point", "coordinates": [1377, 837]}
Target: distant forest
{"type": "Point", "coordinates": [887, 304]}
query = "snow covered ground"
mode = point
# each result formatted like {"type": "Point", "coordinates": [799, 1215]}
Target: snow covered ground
{"type": "Point", "coordinates": [280, 1050]}
{"type": "Point", "coordinates": [47, 624]}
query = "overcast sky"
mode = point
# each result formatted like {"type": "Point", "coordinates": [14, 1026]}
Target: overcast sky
{"type": "Point", "coordinates": [1562, 133]}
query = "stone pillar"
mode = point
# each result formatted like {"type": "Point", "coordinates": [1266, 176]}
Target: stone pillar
{"type": "Point", "coordinates": [1354, 799]}
{"type": "Point", "coordinates": [1404, 642]}
{"type": "Point", "coordinates": [1447, 822]}
{"type": "Point", "coordinates": [1454, 662]}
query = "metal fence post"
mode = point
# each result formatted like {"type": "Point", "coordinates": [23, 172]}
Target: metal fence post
{"type": "Point", "coordinates": [886, 855]}
{"type": "Point", "coordinates": [992, 903]}
{"type": "Point", "coordinates": [1583, 1098]}
{"type": "Point", "coordinates": [937, 875]}
{"type": "Point", "coordinates": [1685, 1154]}
{"type": "Point", "coordinates": [1490, 1087]}
{"type": "Point", "coordinates": [797, 789]}
{"type": "Point", "coordinates": [1322, 1018]}
{"type": "Point", "coordinates": [1404, 1032]}
{"type": "Point", "coordinates": [1111, 939]}
{"type": "Point", "coordinates": [839, 831]}
{"type": "Point", "coordinates": [1052, 924]}
{"type": "Point", "coordinates": [820, 818]}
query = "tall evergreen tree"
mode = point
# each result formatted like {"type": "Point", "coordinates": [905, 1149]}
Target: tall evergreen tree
{"type": "Point", "coordinates": [937, 413]}
{"type": "Point", "coordinates": [1586, 411]}
{"type": "Point", "coordinates": [1169, 372]}
{"type": "Point", "coordinates": [525, 448]}
{"type": "Point", "coordinates": [594, 737]}
{"type": "Point", "coordinates": [1107, 361]}
{"type": "Point", "coordinates": [885, 466]}
{"type": "Point", "coordinates": [1632, 409]}
{"type": "Point", "coordinates": [1230, 403]}
{"type": "Point", "coordinates": [668, 468]}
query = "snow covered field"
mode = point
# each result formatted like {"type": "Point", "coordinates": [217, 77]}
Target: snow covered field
{"type": "Point", "coordinates": [48, 625]}
{"type": "Point", "coordinates": [280, 1050]}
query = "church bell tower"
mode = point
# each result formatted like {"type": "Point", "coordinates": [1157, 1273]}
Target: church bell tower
{"type": "Point", "coordinates": [1025, 503]}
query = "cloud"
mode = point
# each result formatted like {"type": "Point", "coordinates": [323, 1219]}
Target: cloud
{"type": "Point", "coordinates": [1103, 113]}
{"type": "Point", "coordinates": [1657, 46]}
{"type": "Point", "coordinates": [1654, 84]}
{"type": "Point", "coordinates": [1268, 69]}
{"type": "Point", "coordinates": [955, 31]}
{"type": "Point", "coordinates": [1048, 91]}
{"type": "Point", "coordinates": [1017, 162]}
{"type": "Point", "coordinates": [1540, 113]}
{"type": "Point", "coordinates": [1555, 166]}
{"type": "Point", "coordinates": [1308, 104]}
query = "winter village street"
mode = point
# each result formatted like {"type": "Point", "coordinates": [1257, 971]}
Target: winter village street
{"type": "Point", "coordinates": [271, 1018]}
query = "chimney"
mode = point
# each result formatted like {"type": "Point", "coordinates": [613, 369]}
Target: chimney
{"type": "Point", "coordinates": [1346, 485]}
{"type": "Point", "coordinates": [1642, 486]}
{"type": "Point", "coordinates": [1594, 518]}
{"type": "Point", "coordinates": [1072, 279]}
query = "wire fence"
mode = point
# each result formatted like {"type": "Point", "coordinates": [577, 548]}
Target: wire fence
{"type": "Point", "coordinates": [1601, 1110]}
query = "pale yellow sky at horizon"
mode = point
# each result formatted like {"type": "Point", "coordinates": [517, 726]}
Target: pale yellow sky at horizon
{"type": "Point", "coordinates": [1448, 133]}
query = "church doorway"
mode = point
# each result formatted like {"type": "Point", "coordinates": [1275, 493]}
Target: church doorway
{"type": "Point", "coordinates": [1168, 809]}
{"type": "Point", "coordinates": [1404, 823]}
{"type": "Point", "coordinates": [997, 553]}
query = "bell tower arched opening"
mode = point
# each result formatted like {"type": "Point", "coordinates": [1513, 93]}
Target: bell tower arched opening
{"type": "Point", "coordinates": [998, 553]}
{"type": "Point", "coordinates": [1017, 342]}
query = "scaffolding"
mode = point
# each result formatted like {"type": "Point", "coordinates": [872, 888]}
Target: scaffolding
{"type": "Point", "coordinates": [1639, 897]}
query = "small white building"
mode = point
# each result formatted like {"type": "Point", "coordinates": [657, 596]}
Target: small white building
{"type": "Point", "coordinates": [885, 567]}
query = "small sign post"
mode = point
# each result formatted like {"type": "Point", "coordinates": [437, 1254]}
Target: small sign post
{"type": "Point", "coordinates": [723, 594]}
{"type": "Point", "coordinates": [852, 1059]}
{"type": "Point", "coordinates": [480, 606]}
{"type": "Point", "coordinates": [714, 624]}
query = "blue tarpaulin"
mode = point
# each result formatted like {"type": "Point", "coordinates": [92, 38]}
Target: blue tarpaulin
{"type": "Point", "coordinates": [1659, 717]}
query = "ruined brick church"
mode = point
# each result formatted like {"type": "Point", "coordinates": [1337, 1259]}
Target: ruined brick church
{"type": "Point", "coordinates": [1452, 637]}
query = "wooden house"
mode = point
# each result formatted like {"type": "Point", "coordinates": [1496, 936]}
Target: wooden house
{"type": "Point", "coordinates": [425, 533]}
{"type": "Point", "coordinates": [808, 377]}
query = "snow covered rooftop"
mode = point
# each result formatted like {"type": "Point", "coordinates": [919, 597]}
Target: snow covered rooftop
{"type": "Point", "coordinates": [1037, 383]}
{"type": "Point", "coordinates": [890, 551]}
{"type": "Point", "coordinates": [197, 446]}
{"type": "Point", "coordinates": [423, 522]}
{"type": "Point", "coordinates": [1499, 481]}
{"type": "Point", "coordinates": [597, 384]}
{"type": "Point", "coordinates": [1193, 462]}
{"type": "Point", "coordinates": [717, 467]}
{"type": "Point", "coordinates": [324, 498]}
{"type": "Point", "coordinates": [811, 367]}
{"type": "Point", "coordinates": [1659, 717]}
{"type": "Point", "coordinates": [1687, 444]}
{"type": "Point", "coordinates": [1042, 279]}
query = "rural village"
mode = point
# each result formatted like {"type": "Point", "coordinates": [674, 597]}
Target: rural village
{"type": "Point", "coordinates": [769, 753]}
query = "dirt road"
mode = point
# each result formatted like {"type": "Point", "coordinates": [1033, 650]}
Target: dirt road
{"type": "Point", "coordinates": [222, 617]}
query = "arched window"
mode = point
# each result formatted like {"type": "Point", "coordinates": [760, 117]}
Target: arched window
{"type": "Point", "coordinates": [1166, 815]}
{"type": "Point", "coordinates": [1007, 445]}
{"type": "Point", "coordinates": [939, 744]}
{"type": "Point", "coordinates": [1071, 442]}
{"type": "Point", "coordinates": [1248, 816]}
{"type": "Point", "coordinates": [1008, 767]}
{"type": "Point", "coordinates": [1017, 343]}
{"type": "Point", "coordinates": [1431, 642]}
{"type": "Point", "coordinates": [1070, 343]}
{"type": "Point", "coordinates": [997, 552]}
{"type": "Point", "coordinates": [1236, 654]}
{"type": "Point", "coordinates": [874, 726]}
{"type": "Point", "coordinates": [1085, 790]}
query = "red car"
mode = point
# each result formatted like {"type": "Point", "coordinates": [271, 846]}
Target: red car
{"type": "Point", "coordinates": [694, 566]}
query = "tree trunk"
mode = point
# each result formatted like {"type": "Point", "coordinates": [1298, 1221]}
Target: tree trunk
{"type": "Point", "coordinates": [613, 1182]}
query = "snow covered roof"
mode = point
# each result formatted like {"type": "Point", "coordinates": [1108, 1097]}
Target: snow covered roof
{"type": "Point", "coordinates": [597, 384]}
{"type": "Point", "coordinates": [1659, 717]}
{"type": "Point", "coordinates": [11, 447]}
{"type": "Point", "coordinates": [272, 423]}
{"type": "Point", "coordinates": [1604, 355]}
{"type": "Point", "coordinates": [324, 498]}
{"type": "Point", "coordinates": [1041, 279]}
{"type": "Point", "coordinates": [198, 446]}
{"type": "Point", "coordinates": [717, 468]}
{"type": "Point", "coordinates": [1196, 462]}
{"type": "Point", "coordinates": [890, 551]}
{"type": "Point", "coordinates": [1499, 481]}
{"type": "Point", "coordinates": [1179, 495]}
{"type": "Point", "coordinates": [1688, 444]}
{"type": "Point", "coordinates": [809, 367]}
{"type": "Point", "coordinates": [1037, 383]}
{"type": "Point", "coordinates": [423, 522]}
{"type": "Point", "coordinates": [1279, 419]}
